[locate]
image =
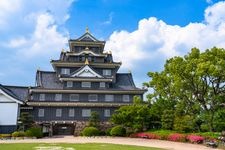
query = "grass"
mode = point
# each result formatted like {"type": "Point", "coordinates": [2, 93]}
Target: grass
{"type": "Point", "coordinates": [61, 146]}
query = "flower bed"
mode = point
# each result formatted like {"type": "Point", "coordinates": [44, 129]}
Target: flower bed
{"type": "Point", "coordinates": [177, 137]}
{"type": "Point", "coordinates": [145, 135]}
{"type": "Point", "coordinates": [171, 136]}
{"type": "Point", "coordinates": [195, 139]}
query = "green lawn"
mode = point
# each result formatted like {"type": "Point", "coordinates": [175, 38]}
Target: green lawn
{"type": "Point", "coordinates": [91, 146]}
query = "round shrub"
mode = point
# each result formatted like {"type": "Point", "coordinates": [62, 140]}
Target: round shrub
{"type": "Point", "coordinates": [18, 134]}
{"type": "Point", "coordinates": [195, 139]}
{"type": "Point", "coordinates": [15, 134]}
{"type": "Point", "coordinates": [34, 132]}
{"type": "Point", "coordinates": [90, 131]}
{"type": "Point", "coordinates": [118, 131]}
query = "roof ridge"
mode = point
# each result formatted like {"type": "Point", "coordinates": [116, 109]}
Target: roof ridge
{"type": "Point", "coordinates": [46, 71]}
{"type": "Point", "coordinates": [15, 86]}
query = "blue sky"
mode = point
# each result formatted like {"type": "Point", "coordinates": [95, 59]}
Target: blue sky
{"type": "Point", "coordinates": [142, 34]}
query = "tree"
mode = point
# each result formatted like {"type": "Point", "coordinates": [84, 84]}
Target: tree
{"type": "Point", "coordinates": [135, 116]}
{"type": "Point", "coordinates": [94, 120]}
{"type": "Point", "coordinates": [25, 121]}
{"type": "Point", "coordinates": [196, 81]}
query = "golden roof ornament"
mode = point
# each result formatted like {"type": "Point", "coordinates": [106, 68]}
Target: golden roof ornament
{"type": "Point", "coordinates": [87, 30]}
{"type": "Point", "coordinates": [86, 62]}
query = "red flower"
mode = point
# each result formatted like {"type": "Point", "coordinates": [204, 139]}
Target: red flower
{"type": "Point", "coordinates": [195, 139]}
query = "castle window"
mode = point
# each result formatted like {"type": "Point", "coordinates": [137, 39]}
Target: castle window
{"type": "Point", "coordinates": [107, 113]}
{"type": "Point", "coordinates": [74, 97]}
{"type": "Point", "coordinates": [58, 97]}
{"type": "Point", "coordinates": [86, 112]}
{"type": "Point", "coordinates": [86, 84]}
{"type": "Point", "coordinates": [93, 97]}
{"type": "Point", "coordinates": [58, 112]}
{"type": "Point", "coordinates": [41, 112]}
{"type": "Point", "coordinates": [109, 98]}
{"type": "Point", "coordinates": [69, 84]}
{"type": "Point", "coordinates": [126, 98]}
{"type": "Point", "coordinates": [102, 84]}
{"type": "Point", "coordinates": [71, 112]}
{"type": "Point", "coordinates": [65, 71]}
{"type": "Point", "coordinates": [107, 72]}
{"type": "Point", "coordinates": [42, 97]}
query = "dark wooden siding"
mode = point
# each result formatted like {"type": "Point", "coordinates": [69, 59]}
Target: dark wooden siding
{"type": "Point", "coordinates": [118, 98]}
{"type": "Point", "coordinates": [7, 129]}
{"type": "Point", "coordinates": [50, 113]}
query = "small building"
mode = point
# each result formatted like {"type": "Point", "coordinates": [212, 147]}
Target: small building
{"type": "Point", "coordinates": [84, 79]}
{"type": "Point", "coordinates": [11, 98]}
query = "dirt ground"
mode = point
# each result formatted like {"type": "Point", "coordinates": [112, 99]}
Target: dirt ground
{"type": "Point", "coordinates": [115, 140]}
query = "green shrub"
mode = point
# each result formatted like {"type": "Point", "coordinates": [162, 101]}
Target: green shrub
{"type": "Point", "coordinates": [90, 131]}
{"type": "Point", "coordinates": [34, 132]}
{"type": "Point", "coordinates": [167, 119]}
{"type": "Point", "coordinates": [118, 131]}
{"type": "Point", "coordinates": [28, 133]}
{"type": "Point", "coordinates": [184, 124]}
{"type": "Point", "coordinates": [15, 134]}
{"type": "Point", "coordinates": [209, 135]}
{"type": "Point", "coordinates": [107, 132]}
{"type": "Point", "coordinates": [18, 134]}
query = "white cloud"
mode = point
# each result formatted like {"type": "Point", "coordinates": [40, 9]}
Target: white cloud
{"type": "Point", "coordinates": [44, 41]}
{"type": "Point", "coordinates": [7, 8]}
{"type": "Point", "coordinates": [32, 31]}
{"type": "Point", "coordinates": [154, 39]}
{"type": "Point", "coordinates": [40, 20]}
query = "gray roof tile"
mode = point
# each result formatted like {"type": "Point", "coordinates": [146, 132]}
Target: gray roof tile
{"type": "Point", "coordinates": [17, 92]}
{"type": "Point", "coordinates": [49, 80]}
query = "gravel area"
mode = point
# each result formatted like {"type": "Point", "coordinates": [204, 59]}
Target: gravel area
{"type": "Point", "coordinates": [115, 140]}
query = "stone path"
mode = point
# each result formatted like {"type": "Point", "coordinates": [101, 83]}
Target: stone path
{"type": "Point", "coordinates": [115, 140]}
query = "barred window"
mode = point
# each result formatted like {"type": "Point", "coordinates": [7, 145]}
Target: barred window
{"type": "Point", "coordinates": [86, 84]}
{"type": "Point", "coordinates": [126, 98]}
{"type": "Point", "coordinates": [71, 112]}
{"type": "Point", "coordinates": [42, 97]}
{"type": "Point", "coordinates": [58, 97]}
{"type": "Point", "coordinates": [102, 84]}
{"type": "Point", "coordinates": [92, 97]}
{"type": "Point", "coordinates": [107, 113]}
{"type": "Point", "coordinates": [41, 112]}
{"type": "Point", "coordinates": [86, 112]}
{"type": "Point", "coordinates": [69, 84]}
{"type": "Point", "coordinates": [65, 71]}
{"type": "Point", "coordinates": [58, 112]}
{"type": "Point", "coordinates": [109, 98]}
{"type": "Point", "coordinates": [74, 97]}
{"type": "Point", "coordinates": [107, 72]}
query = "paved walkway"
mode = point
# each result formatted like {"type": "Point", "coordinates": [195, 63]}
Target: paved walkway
{"type": "Point", "coordinates": [115, 140]}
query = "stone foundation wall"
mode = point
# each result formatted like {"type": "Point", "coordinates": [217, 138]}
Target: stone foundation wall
{"type": "Point", "coordinates": [80, 125]}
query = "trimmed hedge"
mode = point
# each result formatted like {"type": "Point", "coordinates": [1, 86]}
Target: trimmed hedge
{"type": "Point", "coordinates": [118, 131]}
{"type": "Point", "coordinates": [90, 131]}
{"type": "Point", "coordinates": [34, 132]}
{"type": "Point", "coordinates": [18, 134]}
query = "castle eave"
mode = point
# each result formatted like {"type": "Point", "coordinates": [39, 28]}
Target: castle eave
{"type": "Point", "coordinates": [87, 79]}
{"type": "Point", "coordinates": [76, 104]}
{"type": "Point", "coordinates": [79, 64]}
{"type": "Point", "coordinates": [100, 91]}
